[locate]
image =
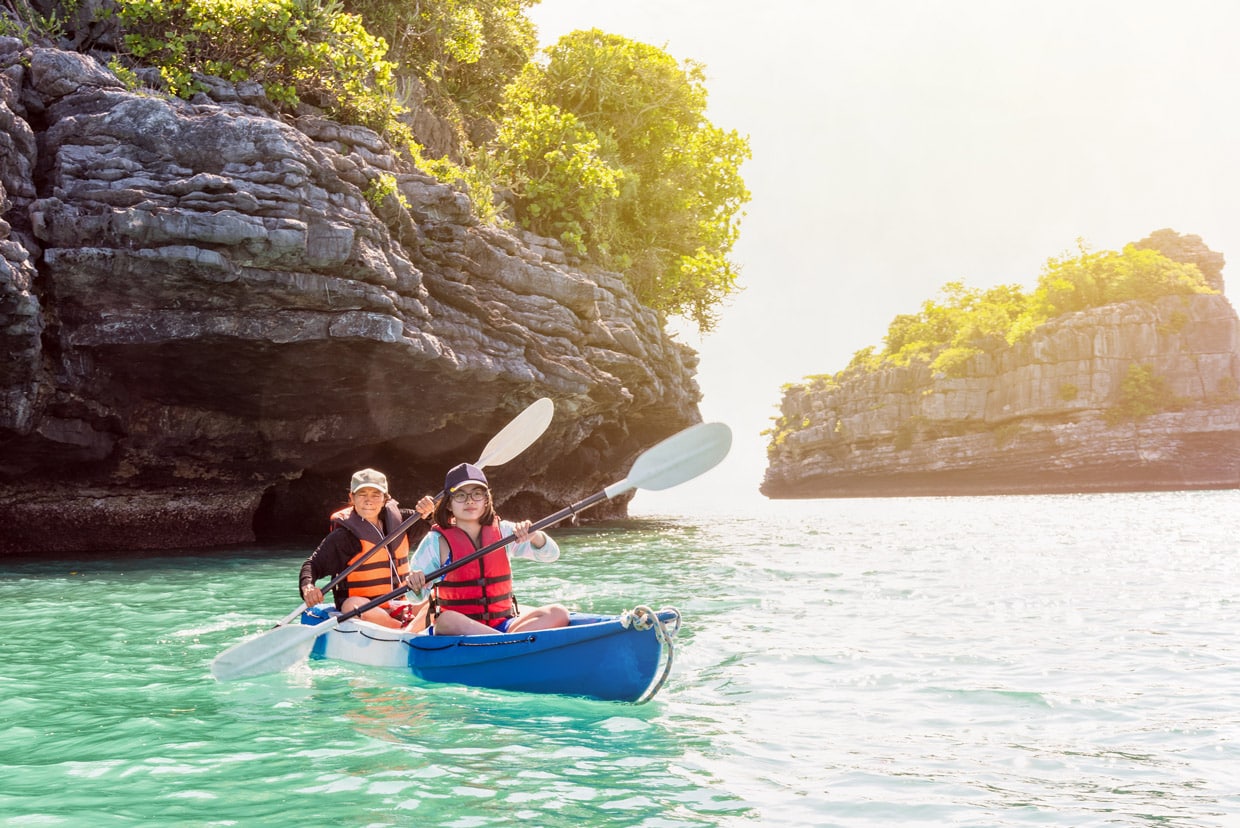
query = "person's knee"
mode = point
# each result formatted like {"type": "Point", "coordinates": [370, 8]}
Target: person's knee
{"type": "Point", "coordinates": [374, 615]}
{"type": "Point", "coordinates": [548, 617]}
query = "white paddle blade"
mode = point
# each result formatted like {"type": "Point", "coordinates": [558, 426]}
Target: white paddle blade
{"type": "Point", "coordinates": [519, 434]}
{"type": "Point", "coordinates": [681, 457]}
{"type": "Point", "coordinates": [271, 652]}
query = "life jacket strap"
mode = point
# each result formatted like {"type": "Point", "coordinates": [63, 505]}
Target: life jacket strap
{"type": "Point", "coordinates": [458, 602]}
{"type": "Point", "coordinates": [477, 582]}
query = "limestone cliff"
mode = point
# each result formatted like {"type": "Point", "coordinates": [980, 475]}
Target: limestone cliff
{"type": "Point", "coordinates": [1045, 415]}
{"type": "Point", "coordinates": [212, 316]}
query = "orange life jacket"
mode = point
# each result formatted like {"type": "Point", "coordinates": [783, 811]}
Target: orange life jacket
{"type": "Point", "coordinates": [481, 589]}
{"type": "Point", "coordinates": [383, 571]}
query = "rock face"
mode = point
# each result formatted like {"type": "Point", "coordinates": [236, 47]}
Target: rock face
{"type": "Point", "coordinates": [1046, 415]}
{"type": "Point", "coordinates": [213, 316]}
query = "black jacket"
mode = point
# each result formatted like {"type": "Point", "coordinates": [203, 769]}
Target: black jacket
{"type": "Point", "coordinates": [340, 546]}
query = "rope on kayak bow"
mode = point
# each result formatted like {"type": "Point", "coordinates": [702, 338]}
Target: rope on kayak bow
{"type": "Point", "coordinates": [643, 618]}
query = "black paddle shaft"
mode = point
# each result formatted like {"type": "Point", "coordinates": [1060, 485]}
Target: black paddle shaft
{"type": "Point", "coordinates": [550, 520]}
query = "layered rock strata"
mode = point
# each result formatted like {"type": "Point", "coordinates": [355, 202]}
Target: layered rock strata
{"type": "Point", "coordinates": [212, 316]}
{"type": "Point", "coordinates": [1049, 414]}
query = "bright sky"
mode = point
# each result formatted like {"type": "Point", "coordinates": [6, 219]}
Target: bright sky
{"type": "Point", "coordinates": [900, 145]}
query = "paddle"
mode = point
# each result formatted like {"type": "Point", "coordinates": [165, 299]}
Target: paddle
{"type": "Point", "coordinates": [512, 439]}
{"type": "Point", "coordinates": [680, 457]}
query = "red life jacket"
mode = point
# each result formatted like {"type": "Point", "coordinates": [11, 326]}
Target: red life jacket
{"type": "Point", "coordinates": [482, 588]}
{"type": "Point", "coordinates": [383, 571]}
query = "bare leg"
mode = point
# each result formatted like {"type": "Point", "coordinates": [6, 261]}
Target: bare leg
{"type": "Point", "coordinates": [451, 622]}
{"type": "Point", "coordinates": [375, 616]}
{"type": "Point", "coordinates": [540, 618]}
{"type": "Point", "coordinates": [420, 620]}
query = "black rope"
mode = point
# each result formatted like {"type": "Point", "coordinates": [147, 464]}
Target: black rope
{"type": "Point", "coordinates": [528, 640]}
{"type": "Point", "coordinates": [422, 646]}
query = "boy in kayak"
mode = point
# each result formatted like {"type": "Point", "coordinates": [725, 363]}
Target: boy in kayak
{"type": "Point", "coordinates": [356, 530]}
{"type": "Point", "coordinates": [477, 598]}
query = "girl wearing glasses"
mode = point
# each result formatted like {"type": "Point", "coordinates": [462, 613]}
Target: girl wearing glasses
{"type": "Point", "coordinates": [477, 598]}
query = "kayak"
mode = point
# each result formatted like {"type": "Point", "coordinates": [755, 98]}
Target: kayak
{"type": "Point", "coordinates": [622, 657]}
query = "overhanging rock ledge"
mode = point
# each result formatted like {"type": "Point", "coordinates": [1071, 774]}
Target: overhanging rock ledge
{"type": "Point", "coordinates": [211, 318]}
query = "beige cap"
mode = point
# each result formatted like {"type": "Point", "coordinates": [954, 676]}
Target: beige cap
{"type": "Point", "coordinates": [368, 479]}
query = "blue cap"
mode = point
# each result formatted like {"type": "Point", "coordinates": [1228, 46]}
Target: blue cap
{"type": "Point", "coordinates": [463, 474]}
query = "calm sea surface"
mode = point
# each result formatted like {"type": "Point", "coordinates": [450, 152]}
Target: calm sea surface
{"type": "Point", "coordinates": [1014, 661]}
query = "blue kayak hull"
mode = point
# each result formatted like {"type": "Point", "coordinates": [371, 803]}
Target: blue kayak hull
{"type": "Point", "coordinates": [596, 656]}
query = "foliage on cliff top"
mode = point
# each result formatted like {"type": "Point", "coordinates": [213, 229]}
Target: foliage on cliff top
{"type": "Point", "coordinates": [606, 145]}
{"type": "Point", "coordinates": [299, 50]}
{"type": "Point", "coordinates": [464, 52]}
{"type": "Point", "coordinates": [603, 144]}
{"type": "Point", "coordinates": [965, 322]}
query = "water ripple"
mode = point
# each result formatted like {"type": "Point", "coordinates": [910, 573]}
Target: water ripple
{"type": "Point", "coordinates": [1065, 661]}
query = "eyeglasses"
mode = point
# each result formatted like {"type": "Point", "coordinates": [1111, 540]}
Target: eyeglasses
{"type": "Point", "coordinates": [475, 494]}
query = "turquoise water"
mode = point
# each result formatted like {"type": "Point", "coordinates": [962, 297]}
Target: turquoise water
{"type": "Point", "coordinates": [1018, 661]}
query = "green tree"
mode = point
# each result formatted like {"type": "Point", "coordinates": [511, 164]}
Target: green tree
{"type": "Point", "coordinates": [672, 224]}
{"type": "Point", "coordinates": [556, 171]}
{"type": "Point", "coordinates": [965, 322]}
{"type": "Point", "coordinates": [298, 49]}
{"type": "Point", "coordinates": [1142, 392]}
{"type": "Point", "coordinates": [464, 51]}
{"type": "Point", "coordinates": [1089, 280]}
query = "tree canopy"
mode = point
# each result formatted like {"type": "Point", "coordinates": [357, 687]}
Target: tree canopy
{"type": "Point", "coordinates": [966, 321]}
{"type": "Point", "coordinates": [1088, 280]}
{"type": "Point", "coordinates": [300, 50]}
{"type": "Point", "coordinates": [667, 191]}
{"type": "Point", "coordinates": [464, 51]}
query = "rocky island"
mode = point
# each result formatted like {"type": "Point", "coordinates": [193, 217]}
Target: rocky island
{"type": "Point", "coordinates": [211, 315]}
{"type": "Point", "coordinates": [1134, 395]}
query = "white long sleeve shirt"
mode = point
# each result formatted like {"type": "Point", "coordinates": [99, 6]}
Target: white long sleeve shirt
{"type": "Point", "coordinates": [426, 556]}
